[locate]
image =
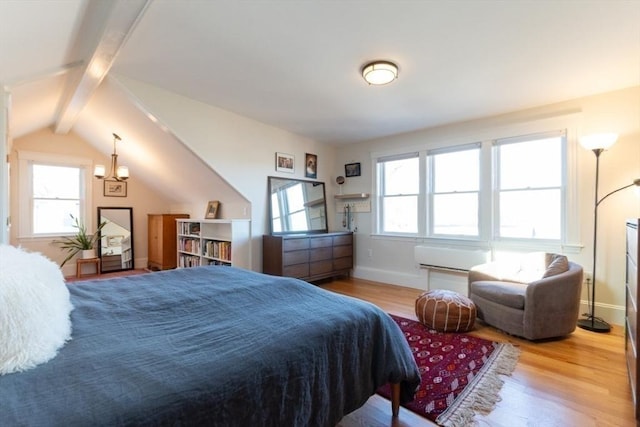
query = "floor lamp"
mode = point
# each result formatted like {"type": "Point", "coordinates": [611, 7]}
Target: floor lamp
{"type": "Point", "coordinates": [598, 143]}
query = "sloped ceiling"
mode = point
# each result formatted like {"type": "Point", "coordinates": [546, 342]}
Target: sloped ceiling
{"type": "Point", "coordinates": [296, 65]}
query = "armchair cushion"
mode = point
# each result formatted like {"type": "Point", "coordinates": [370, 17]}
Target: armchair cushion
{"type": "Point", "coordinates": [559, 264]}
{"type": "Point", "coordinates": [510, 294]}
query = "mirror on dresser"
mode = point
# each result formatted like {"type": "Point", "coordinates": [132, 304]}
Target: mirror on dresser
{"type": "Point", "coordinates": [116, 239]}
{"type": "Point", "coordinates": [297, 206]}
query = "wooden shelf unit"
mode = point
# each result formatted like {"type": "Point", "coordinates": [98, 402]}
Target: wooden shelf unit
{"type": "Point", "coordinates": [214, 242]}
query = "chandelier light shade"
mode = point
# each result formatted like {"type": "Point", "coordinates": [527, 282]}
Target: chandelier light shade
{"type": "Point", "coordinates": [598, 143]}
{"type": "Point", "coordinates": [118, 173]}
{"type": "Point", "coordinates": [380, 72]}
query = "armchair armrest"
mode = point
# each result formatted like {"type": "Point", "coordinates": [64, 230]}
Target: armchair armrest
{"type": "Point", "coordinates": [553, 303]}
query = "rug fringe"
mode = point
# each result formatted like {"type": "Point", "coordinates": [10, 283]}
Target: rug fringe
{"type": "Point", "coordinates": [482, 394]}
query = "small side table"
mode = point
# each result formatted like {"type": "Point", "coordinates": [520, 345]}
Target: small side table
{"type": "Point", "coordinates": [81, 261]}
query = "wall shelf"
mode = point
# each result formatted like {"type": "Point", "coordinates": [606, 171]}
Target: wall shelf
{"type": "Point", "coordinates": [352, 196]}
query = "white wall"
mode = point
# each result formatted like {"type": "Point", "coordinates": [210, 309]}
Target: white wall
{"type": "Point", "coordinates": [392, 260]}
{"type": "Point", "coordinates": [239, 149]}
{"type": "Point", "coordinates": [140, 197]}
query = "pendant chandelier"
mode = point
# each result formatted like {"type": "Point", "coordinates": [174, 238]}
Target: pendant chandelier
{"type": "Point", "coordinates": [118, 173]}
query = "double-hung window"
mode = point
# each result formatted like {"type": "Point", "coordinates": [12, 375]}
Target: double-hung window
{"type": "Point", "coordinates": [52, 189]}
{"type": "Point", "coordinates": [454, 191]}
{"type": "Point", "coordinates": [530, 186]}
{"type": "Point", "coordinates": [399, 190]}
{"type": "Point", "coordinates": [507, 189]}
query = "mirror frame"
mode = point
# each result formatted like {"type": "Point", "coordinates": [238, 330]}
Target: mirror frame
{"type": "Point", "coordinates": [325, 229]}
{"type": "Point", "coordinates": [105, 208]}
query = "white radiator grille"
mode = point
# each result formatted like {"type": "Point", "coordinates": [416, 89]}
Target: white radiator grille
{"type": "Point", "coordinates": [450, 258]}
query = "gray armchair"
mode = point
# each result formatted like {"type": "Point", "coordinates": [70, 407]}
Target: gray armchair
{"type": "Point", "coordinates": [537, 298]}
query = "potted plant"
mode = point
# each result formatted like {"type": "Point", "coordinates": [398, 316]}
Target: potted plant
{"type": "Point", "coordinates": [81, 241]}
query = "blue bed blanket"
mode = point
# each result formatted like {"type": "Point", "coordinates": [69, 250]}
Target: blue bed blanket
{"type": "Point", "coordinates": [216, 346]}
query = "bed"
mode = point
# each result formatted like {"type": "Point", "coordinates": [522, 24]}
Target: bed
{"type": "Point", "coordinates": [211, 346]}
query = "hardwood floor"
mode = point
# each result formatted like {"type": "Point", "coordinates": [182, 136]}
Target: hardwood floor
{"type": "Point", "coordinates": [580, 380]}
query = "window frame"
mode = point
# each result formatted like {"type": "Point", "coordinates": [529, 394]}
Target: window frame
{"type": "Point", "coordinates": [381, 195]}
{"type": "Point", "coordinates": [569, 123]}
{"type": "Point", "coordinates": [496, 190]}
{"type": "Point", "coordinates": [431, 192]}
{"type": "Point", "coordinates": [26, 159]}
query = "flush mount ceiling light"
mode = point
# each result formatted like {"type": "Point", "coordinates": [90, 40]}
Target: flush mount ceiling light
{"type": "Point", "coordinates": [380, 72]}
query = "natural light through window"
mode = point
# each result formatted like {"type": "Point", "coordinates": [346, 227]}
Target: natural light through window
{"type": "Point", "coordinates": [56, 196]}
{"type": "Point", "coordinates": [456, 186]}
{"type": "Point", "coordinates": [530, 188]}
{"type": "Point", "coordinates": [295, 202]}
{"type": "Point", "coordinates": [506, 189]}
{"type": "Point", "coordinates": [399, 193]}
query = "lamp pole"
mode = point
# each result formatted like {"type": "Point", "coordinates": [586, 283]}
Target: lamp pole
{"type": "Point", "coordinates": [591, 323]}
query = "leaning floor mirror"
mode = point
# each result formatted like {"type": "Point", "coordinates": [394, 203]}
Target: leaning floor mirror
{"type": "Point", "coordinates": [116, 239]}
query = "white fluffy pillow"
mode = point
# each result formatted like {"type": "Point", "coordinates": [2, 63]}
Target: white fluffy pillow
{"type": "Point", "coordinates": [34, 309]}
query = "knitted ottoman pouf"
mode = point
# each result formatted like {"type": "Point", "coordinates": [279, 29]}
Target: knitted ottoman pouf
{"type": "Point", "coordinates": [446, 311]}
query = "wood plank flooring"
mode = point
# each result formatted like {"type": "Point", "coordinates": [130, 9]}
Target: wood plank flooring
{"type": "Point", "coordinates": [580, 380]}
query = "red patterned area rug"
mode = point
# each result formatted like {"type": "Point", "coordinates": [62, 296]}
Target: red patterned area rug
{"type": "Point", "coordinates": [460, 373]}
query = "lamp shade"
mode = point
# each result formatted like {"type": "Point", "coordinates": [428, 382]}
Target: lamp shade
{"type": "Point", "coordinates": [99, 171]}
{"type": "Point", "coordinates": [602, 141]}
{"type": "Point", "coordinates": [380, 72]}
{"type": "Point", "coordinates": [122, 172]}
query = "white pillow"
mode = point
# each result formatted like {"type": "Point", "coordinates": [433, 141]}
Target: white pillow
{"type": "Point", "coordinates": [34, 309]}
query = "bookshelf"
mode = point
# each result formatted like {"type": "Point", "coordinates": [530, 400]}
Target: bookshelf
{"type": "Point", "coordinates": [214, 242]}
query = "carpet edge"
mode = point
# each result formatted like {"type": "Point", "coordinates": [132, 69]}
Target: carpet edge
{"type": "Point", "coordinates": [483, 393]}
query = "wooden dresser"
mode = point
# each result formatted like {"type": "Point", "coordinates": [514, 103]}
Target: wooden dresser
{"type": "Point", "coordinates": [631, 315]}
{"type": "Point", "coordinates": [308, 257]}
{"type": "Point", "coordinates": [162, 242]}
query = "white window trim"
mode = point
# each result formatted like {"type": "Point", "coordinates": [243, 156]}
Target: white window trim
{"type": "Point", "coordinates": [25, 208]}
{"type": "Point", "coordinates": [570, 241]}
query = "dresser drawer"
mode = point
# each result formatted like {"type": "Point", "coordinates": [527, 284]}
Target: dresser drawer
{"type": "Point", "coordinates": [321, 254]}
{"type": "Point", "coordinates": [320, 242]}
{"type": "Point", "coordinates": [632, 244]}
{"type": "Point", "coordinates": [297, 270]}
{"type": "Point", "coordinates": [343, 263]}
{"type": "Point", "coordinates": [347, 239]}
{"type": "Point", "coordinates": [320, 267]}
{"type": "Point", "coordinates": [295, 244]}
{"type": "Point", "coordinates": [632, 280]}
{"type": "Point", "coordinates": [295, 257]}
{"type": "Point", "coordinates": [631, 315]}
{"type": "Point", "coordinates": [342, 251]}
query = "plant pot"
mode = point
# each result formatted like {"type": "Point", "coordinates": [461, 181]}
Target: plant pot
{"type": "Point", "coordinates": [88, 253]}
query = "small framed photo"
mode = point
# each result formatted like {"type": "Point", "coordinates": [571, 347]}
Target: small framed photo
{"type": "Point", "coordinates": [114, 188]}
{"type": "Point", "coordinates": [285, 163]}
{"type": "Point", "coordinates": [352, 169]}
{"type": "Point", "coordinates": [311, 166]}
{"type": "Point", "coordinates": [212, 209]}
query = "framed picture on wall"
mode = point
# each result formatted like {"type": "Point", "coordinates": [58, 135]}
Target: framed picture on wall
{"type": "Point", "coordinates": [352, 169]}
{"type": "Point", "coordinates": [285, 163]}
{"type": "Point", "coordinates": [311, 166]}
{"type": "Point", "coordinates": [114, 188]}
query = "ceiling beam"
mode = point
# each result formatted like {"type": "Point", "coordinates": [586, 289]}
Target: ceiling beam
{"type": "Point", "coordinates": [119, 23]}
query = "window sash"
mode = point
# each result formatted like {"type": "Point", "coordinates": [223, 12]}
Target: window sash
{"type": "Point", "coordinates": [27, 205]}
